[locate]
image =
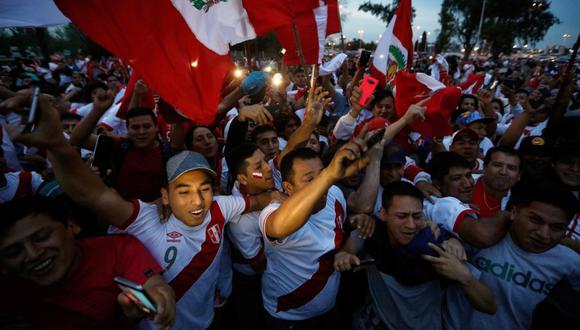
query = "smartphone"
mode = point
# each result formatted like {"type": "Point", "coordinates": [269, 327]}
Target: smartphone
{"type": "Point", "coordinates": [375, 138]}
{"type": "Point", "coordinates": [367, 88]}
{"type": "Point", "coordinates": [102, 153]}
{"type": "Point", "coordinates": [364, 58]}
{"type": "Point", "coordinates": [33, 112]}
{"type": "Point", "coordinates": [137, 294]}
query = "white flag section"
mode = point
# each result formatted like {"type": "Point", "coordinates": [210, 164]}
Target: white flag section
{"type": "Point", "coordinates": [217, 29]}
{"type": "Point", "coordinates": [30, 13]}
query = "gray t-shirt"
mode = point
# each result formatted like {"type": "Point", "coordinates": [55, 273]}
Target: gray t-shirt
{"type": "Point", "coordinates": [519, 281]}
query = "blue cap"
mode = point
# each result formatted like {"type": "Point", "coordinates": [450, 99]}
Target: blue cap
{"type": "Point", "coordinates": [186, 161]}
{"type": "Point", "coordinates": [254, 83]}
{"type": "Point", "coordinates": [467, 118]}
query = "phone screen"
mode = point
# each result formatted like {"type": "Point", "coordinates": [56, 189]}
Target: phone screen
{"type": "Point", "coordinates": [102, 153]}
{"type": "Point", "coordinates": [365, 56]}
{"type": "Point", "coordinates": [137, 294]}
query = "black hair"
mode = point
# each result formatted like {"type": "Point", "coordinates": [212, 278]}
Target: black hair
{"type": "Point", "coordinates": [17, 209]}
{"type": "Point", "coordinates": [282, 119]}
{"type": "Point", "coordinates": [90, 87]}
{"type": "Point", "coordinates": [288, 161]}
{"type": "Point", "coordinates": [469, 96]}
{"type": "Point", "coordinates": [544, 191]}
{"type": "Point", "coordinates": [400, 188]}
{"type": "Point", "coordinates": [236, 158]}
{"type": "Point", "coordinates": [501, 106]}
{"type": "Point", "coordinates": [522, 90]}
{"type": "Point", "coordinates": [380, 94]}
{"type": "Point", "coordinates": [503, 149]}
{"type": "Point", "coordinates": [140, 111]}
{"type": "Point", "coordinates": [443, 161]}
{"type": "Point", "coordinates": [262, 129]}
{"type": "Point", "coordinates": [70, 116]}
{"type": "Point", "coordinates": [299, 70]}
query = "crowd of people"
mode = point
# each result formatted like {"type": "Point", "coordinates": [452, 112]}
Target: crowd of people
{"type": "Point", "coordinates": [297, 208]}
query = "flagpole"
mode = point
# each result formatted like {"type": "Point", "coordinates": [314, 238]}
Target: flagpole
{"type": "Point", "coordinates": [303, 59]}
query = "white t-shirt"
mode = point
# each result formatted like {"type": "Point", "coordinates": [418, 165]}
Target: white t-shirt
{"type": "Point", "coordinates": [293, 261]}
{"type": "Point", "coordinates": [13, 181]}
{"type": "Point", "coordinates": [113, 123]}
{"type": "Point", "coordinates": [10, 153]}
{"type": "Point", "coordinates": [246, 237]}
{"type": "Point", "coordinates": [519, 280]}
{"type": "Point", "coordinates": [448, 212]}
{"type": "Point", "coordinates": [190, 255]}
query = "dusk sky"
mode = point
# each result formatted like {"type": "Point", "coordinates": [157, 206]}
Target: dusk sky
{"type": "Point", "coordinates": [427, 18]}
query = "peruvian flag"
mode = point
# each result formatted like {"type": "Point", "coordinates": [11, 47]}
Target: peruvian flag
{"type": "Point", "coordinates": [313, 27]}
{"type": "Point", "coordinates": [395, 49]}
{"type": "Point", "coordinates": [411, 88]}
{"type": "Point", "coordinates": [146, 101]}
{"type": "Point", "coordinates": [179, 47]}
{"type": "Point", "coordinates": [472, 84]}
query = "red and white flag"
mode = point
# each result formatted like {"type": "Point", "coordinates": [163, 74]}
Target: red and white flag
{"type": "Point", "coordinates": [313, 27]}
{"type": "Point", "coordinates": [411, 88]}
{"type": "Point", "coordinates": [472, 84]}
{"type": "Point", "coordinates": [180, 47]}
{"type": "Point", "coordinates": [395, 49]}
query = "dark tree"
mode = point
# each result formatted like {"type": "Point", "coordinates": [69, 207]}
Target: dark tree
{"type": "Point", "coordinates": [383, 11]}
{"type": "Point", "coordinates": [423, 43]}
{"type": "Point", "coordinates": [447, 27]}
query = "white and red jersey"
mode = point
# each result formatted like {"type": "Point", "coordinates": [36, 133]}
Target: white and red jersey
{"type": "Point", "coordinates": [190, 255]}
{"type": "Point", "coordinates": [10, 152]}
{"type": "Point", "coordinates": [300, 282]}
{"type": "Point", "coordinates": [276, 174]}
{"type": "Point", "coordinates": [19, 184]}
{"type": "Point", "coordinates": [246, 239]}
{"type": "Point", "coordinates": [535, 130]}
{"type": "Point", "coordinates": [448, 212]}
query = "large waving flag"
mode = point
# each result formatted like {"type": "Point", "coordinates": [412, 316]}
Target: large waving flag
{"type": "Point", "coordinates": [313, 27]}
{"type": "Point", "coordinates": [179, 47]}
{"type": "Point", "coordinates": [395, 49]}
{"type": "Point", "coordinates": [411, 88]}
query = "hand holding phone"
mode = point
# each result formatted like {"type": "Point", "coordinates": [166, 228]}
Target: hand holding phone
{"type": "Point", "coordinates": [136, 293]}
{"type": "Point", "coordinates": [367, 88]}
{"type": "Point", "coordinates": [364, 58]}
{"type": "Point", "coordinates": [102, 154]}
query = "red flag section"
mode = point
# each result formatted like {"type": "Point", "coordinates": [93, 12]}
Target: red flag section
{"type": "Point", "coordinates": [267, 15]}
{"type": "Point", "coordinates": [313, 27]}
{"type": "Point", "coordinates": [411, 88]}
{"type": "Point", "coordinates": [147, 100]}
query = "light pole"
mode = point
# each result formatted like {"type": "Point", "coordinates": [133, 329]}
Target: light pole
{"type": "Point", "coordinates": [360, 36]}
{"type": "Point", "coordinates": [566, 36]}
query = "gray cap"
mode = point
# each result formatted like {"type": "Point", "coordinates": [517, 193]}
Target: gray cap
{"type": "Point", "coordinates": [186, 161]}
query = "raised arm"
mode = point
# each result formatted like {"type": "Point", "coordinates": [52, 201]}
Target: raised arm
{"type": "Point", "coordinates": [312, 116]}
{"type": "Point", "coordinates": [228, 102]}
{"type": "Point", "coordinates": [294, 211]}
{"type": "Point", "coordinates": [484, 232]}
{"type": "Point", "coordinates": [82, 136]}
{"type": "Point", "coordinates": [74, 177]}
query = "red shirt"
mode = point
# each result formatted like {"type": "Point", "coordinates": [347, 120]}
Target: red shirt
{"type": "Point", "coordinates": [489, 205]}
{"type": "Point", "coordinates": [88, 297]}
{"type": "Point", "coordinates": [141, 174]}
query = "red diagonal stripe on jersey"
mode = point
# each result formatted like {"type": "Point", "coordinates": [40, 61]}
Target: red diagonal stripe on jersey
{"type": "Point", "coordinates": [311, 288]}
{"type": "Point", "coordinates": [203, 259]}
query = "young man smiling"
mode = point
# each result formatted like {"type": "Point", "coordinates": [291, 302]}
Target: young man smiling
{"type": "Point", "coordinates": [188, 245]}
{"type": "Point", "coordinates": [523, 267]}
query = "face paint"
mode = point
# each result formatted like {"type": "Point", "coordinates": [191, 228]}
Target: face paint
{"type": "Point", "coordinates": [257, 175]}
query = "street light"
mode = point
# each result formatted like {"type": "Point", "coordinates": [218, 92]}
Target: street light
{"type": "Point", "coordinates": [566, 36]}
{"type": "Point", "coordinates": [360, 36]}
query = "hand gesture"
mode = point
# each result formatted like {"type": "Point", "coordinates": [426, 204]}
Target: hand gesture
{"type": "Point", "coordinates": [48, 133]}
{"type": "Point", "coordinates": [343, 261]}
{"type": "Point", "coordinates": [364, 223]}
{"type": "Point", "coordinates": [485, 97]}
{"type": "Point", "coordinates": [416, 111]}
{"type": "Point", "coordinates": [454, 247]}
{"type": "Point", "coordinates": [448, 265]}
{"type": "Point", "coordinates": [349, 160]}
{"type": "Point", "coordinates": [255, 112]}
{"type": "Point", "coordinates": [356, 107]}
{"type": "Point", "coordinates": [103, 100]}
{"type": "Point", "coordinates": [140, 87]}
{"type": "Point", "coordinates": [428, 190]}
{"type": "Point", "coordinates": [315, 105]}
